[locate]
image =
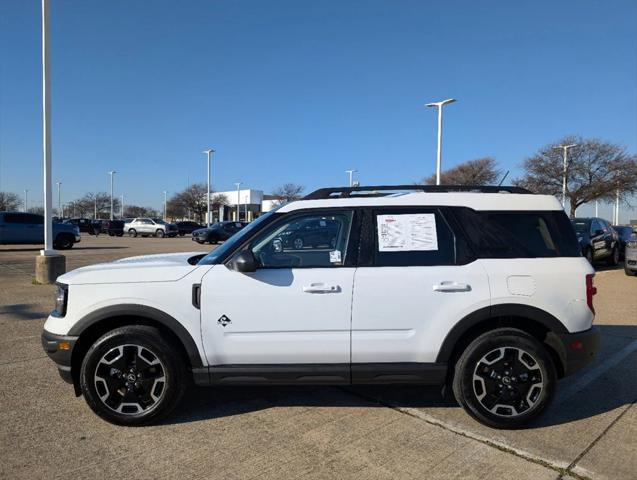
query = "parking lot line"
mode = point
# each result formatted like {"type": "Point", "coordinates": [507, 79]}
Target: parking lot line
{"type": "Point", "coordinates": [596, 372]}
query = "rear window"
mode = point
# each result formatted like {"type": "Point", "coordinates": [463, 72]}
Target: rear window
{"type": "Point", "coordinates": [520, 234]}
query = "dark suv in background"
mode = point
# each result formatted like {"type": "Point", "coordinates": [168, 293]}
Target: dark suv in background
{"type": "Point", "coordinates": [219, 232]}
{"type": "Point", "coordinates": [187, 227]}
{"type": "Point", "coordinates": [624, 233]}
{"type": "Point", "coordinates": [597, 239]}
{"type": "Point", "coordinates": [28, 228]}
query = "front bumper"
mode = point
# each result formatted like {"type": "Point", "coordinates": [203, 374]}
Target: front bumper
{"type": "Point", "coordinates": [78, 238]}
{"type": "Point", "coordinates": [59, 348]}
{"type": "Point", "coordinates": [630, 260]}
{"type": "Point", "coordinates": [199, 239]}
{"type": "Point", "coordinates": [576, 350]}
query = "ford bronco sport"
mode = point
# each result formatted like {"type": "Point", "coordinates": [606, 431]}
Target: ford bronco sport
{"type": "Point", "coordinates": [483, 288]}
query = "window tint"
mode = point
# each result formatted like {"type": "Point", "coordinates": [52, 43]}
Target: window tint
{"type": "Point", "coordinates": [412, 237]}
{"type": "Point", "coordinates": [13, 218]}
{"type": "Point", "coordinates": [596, 226]}
{"type": "Point", "coordinates": [309, 240]}
{"type": "Point", "coordinates": [519, 234]}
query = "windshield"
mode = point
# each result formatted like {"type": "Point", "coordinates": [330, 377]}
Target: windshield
{"type": "Point", "coordinates": [236, 239]}
{"type": "Point", "coordinates": [580, 227]}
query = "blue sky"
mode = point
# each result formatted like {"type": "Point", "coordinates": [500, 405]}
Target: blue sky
{"type": "Point", "coordinates": [299, 91]}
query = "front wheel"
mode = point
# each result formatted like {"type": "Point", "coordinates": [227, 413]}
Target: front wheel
{"type": "Point", "coordinates": [505, 378]}
{"type": "Point", "coordinates": [132, 376]}
{"type": "Point", "coordinates": [613, 260]}
{"type": "Point", "coordinates": [63, 242]}
{"type": "Point", "coordinates": [159, 233]}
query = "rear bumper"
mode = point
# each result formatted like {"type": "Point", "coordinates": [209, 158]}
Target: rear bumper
{"type": "Point", "coordinates": [61, 356]}
{"type": "Point", "coordinates": [576, 350]}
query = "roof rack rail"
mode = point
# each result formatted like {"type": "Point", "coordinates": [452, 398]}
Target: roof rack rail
{"type": "Point", "coordinates": [378, 190]}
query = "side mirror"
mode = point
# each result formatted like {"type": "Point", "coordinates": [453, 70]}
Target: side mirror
{"type": "Point", "coordinates": [244, 262]}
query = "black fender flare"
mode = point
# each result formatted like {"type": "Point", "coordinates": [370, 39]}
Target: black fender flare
{"type": "Point", "coordinates": [494, 311]}
{"type": "Point", "coordinates": [143, 311]}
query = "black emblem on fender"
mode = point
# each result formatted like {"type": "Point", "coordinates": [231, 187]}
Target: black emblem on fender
{"type": "Point", "coordinates": [223, 321]}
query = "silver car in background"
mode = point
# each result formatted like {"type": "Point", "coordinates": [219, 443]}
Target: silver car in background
{"type": "Point", "coordinates": [630, 255]}
{"type": "Point", "coordinates": [145, 227]}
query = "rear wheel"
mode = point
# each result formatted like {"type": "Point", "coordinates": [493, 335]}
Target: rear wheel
{"type": "Point", "coordinates": [613, 260]}
{"type": "Point", "coordinates": [132, 233]}
{"type": "Point", "coordinates": [504, 378]}
{"type": "Point", "coordinates": [63, 242]}
{"type": "Point", "coordinates": [298, 243]}
{"type": "Point", "coordinates": [132, 376]}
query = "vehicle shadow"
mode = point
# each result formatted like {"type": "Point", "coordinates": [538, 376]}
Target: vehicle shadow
{"type": "Point", "coordinates": [37, 249]}
{"type": "Point", "coordinates": [25, 311]}
{"type": "Point", "coordinates": [603, 267]}
{"type": "Point", "coordinates": [225, 401]}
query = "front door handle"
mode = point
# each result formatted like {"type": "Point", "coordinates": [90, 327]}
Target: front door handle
{"type": "Point", "coordinates": [452, 287]}
{"type": "Point", "coordinates": [321, 288]}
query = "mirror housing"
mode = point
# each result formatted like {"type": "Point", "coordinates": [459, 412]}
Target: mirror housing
{"type": "Point", "coordinates": [244, 262]}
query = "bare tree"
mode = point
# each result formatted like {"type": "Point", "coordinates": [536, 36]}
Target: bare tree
{"type": "Point", "coordinates": [37, 210]}
{"type": "Point", "coordinates": [481, 171]}
{"type": "Point", "coordinates": [287, 192]}
{"type": "Point", "coordinates": [9, 201]}
{"type": "Point", "coordinates": [192, 201]}
{"type": "Point", "coordinates": [596, 170]}
{"type": "Point", "coordinates": [133, 211]}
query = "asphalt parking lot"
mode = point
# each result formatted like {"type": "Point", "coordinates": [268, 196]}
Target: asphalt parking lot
{"type": "Point", "coordinates": [388, 432]}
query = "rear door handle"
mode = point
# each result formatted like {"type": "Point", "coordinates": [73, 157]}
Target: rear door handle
{"type": "Point", "coordinates": [321, 288]}
{"type": "Point", "coordinates": [452, 287]}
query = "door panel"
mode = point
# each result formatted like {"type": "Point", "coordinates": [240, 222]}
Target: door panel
{"type": "Point", "coordinates": [277, 315]}
{"type": "Point", "coordinates": [402, 314]}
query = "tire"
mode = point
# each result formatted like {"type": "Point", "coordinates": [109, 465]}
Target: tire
{"type": "Point", "coordinates": [629, 272]}
{"type": "Point", "coordinates": [159, 233]}
{"type": "Point", "coordinates": [63, 242]}
{"type": "Point", "coordinates": [111, 234]}
{"type": "Point", "coordinates": [120, 234]}
{"type": "Point", "coordinates": [181, 234]}
{"type": "Point", "coordinates": [589, 255]}
{"type": "Point", "coordinates": [136, 353]}
{"type": "Point", "coordinates": [298, 243]}
{"type": "Point", "coordinates": [132, 233]}
{"type": "Point", "coordinates": [613, 260]}
{"type": "Point", "coordinates": [485, 363]}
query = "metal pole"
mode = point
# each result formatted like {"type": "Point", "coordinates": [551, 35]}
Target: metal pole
{"type": "Point", "coordinates": [245, 210]}
{"type": "Point", "coordinates": [351, 176]}
{"type": "Point", "coordinates": [439, 150]}
{"type": "Point", "coordinates": [564, 171]}
{"type": "Point", "coordinates": [26, 200]}
{"type": "Point", "coordinates": [112, 172]}
{"type": "Point", "coordinates": [165, 210]}
{"type": "Point", "coordinates": [596, 208]}
{"type": "Point", "coordinates": [238, 184]}
{"type": "Point", "coordinates": [208, 152]}
{"type": "Point", "coordinates": [95, 213]}
{"type": "Point", "coordinates": [617, 207]}
{"type": "Point", "coordinates": [59, 200]}
{"type": "Point", "coordinates": [46, 132]}
{"type": "Point", "coordinates": [121, 208]}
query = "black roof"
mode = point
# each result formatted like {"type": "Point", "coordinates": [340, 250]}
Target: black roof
{"type": "Point", "coordinates": [383, 190]}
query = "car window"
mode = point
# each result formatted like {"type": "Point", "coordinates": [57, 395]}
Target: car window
{"type": "Point", "coordinates": [595, 226]}
{"type": "Point", "coordinates": [322, 242]}
{"type": "Point", "coordinates": [14, 218]}
{"type": "Point", "coordinates": [412, 237]}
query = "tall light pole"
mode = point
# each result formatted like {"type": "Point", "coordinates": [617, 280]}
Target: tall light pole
{"type": "Point", "coordinates": [565, 150]}
{"type": "Point", "coordinates": [208, 152]}
{"type": "Point", "coordinates": [121, 208]}
{"type": "Point", "coordinates": [351, 176]}
{"type": "Point", "coordinates": [439, 155]}
{"type": "Point", "coordinates": [59, 184]}
{"type": "Point", "coordinates": [26, 200]}
{"type": "Point", "coordinates": [596, 208]}
{"type": "Point", "coordinates": [112, 172]}
{"type": "Point", "coordinates": [165, 210]}
{"type": "Point", "coordinates": [238, 184]}
{"type": "Point", "coordinates": [46, 141]}
{"type": "Point", "coordinates": [617, 207]}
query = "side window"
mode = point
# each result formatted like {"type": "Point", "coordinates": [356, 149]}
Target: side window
{"type": "Point", "coordinates": [13, 218]}
{"type": "Point", "coordinates": [595, 226]}
{"type": "Point", "coordinates": [411, 237]}
{"type": "Point", "coordinates": [303, 241]}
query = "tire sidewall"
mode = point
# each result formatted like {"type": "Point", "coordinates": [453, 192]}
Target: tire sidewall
{"type": "Point", "coordinates": [463, 377]}
{"type": "Point", "coordinates": [147, 337]}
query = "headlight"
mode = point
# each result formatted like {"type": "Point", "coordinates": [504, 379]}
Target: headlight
{"type": "Point", "coordinates": [61, 297]}
{"type": "Point", "coordinates": [631, 244]}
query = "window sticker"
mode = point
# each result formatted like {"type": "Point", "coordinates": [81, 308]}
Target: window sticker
{"type": "Point", "coordinates": [335, 256]}
{"type": "Point", "coordinates": [407, 232]}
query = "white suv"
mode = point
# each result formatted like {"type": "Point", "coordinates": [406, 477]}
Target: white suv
{"type": "Point", "coordinates": [484, 288]}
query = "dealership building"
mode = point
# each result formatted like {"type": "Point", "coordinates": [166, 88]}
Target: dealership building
{"type": "Point", "coordinates": [244, 205]}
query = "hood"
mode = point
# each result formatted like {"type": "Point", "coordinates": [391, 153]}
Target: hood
{"type": "Point", "coordinates": [146, 268]}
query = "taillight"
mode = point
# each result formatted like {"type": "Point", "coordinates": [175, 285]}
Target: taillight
{"type": "Point", "coordinates": [590, 291]}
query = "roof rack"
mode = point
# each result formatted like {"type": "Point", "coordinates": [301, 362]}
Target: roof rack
{"type": "Point", "coordinates": [380, 190]}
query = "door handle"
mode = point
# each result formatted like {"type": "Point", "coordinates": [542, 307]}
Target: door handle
{"type": "Point", "coordinates": [452, 287]}
{"type": "Point", "coordinates": [321, 288]}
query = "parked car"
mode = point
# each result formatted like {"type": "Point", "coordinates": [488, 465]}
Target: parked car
{"type": "Point", "coordinates": [28, 228]}
{"type": "Point", "coordinates": [624, 233]}
{"type": "Point", "coordinates": [597, 239]}
{"type": "Point", "coordinates": [218, 232]}
{"type": "Point", "coordinates": [496, 300]}
{"type": "Point", "coordinates": [150, 226]}
{"type": "Point", "coordinates": [84, 224]}
{"type": "Point", "coordinates": [115, 228]}
{"type": "Point", "coordinates": [630, 255]}
{"type": "Point", "coordinates": [187, 227]}
{"type": "Point", "coordinates": [311, 233]}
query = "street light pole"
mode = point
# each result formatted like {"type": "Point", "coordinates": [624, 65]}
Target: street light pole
{"type": "Point", "coordinates": [59, 184]}
{"type": "Point", "coordinates": [112, 172]}
{"type": "Point", "coordinates": [351, 176]}
{"type": "Point", "coordinates": [439, 154]}
{"type": "Point", "coordinates": [238, 184]}
{"type": "Point", "coordinates": [617, 207]}
{"type": "Point", "coordinates": [26, 200]}
{"type": "Point", "coordinates": [208, 152]}
{"type": "Point", "coordinates": [565, 150]}
{"type": "Point", "coordinates": [121, 208]}
{"type": "Point", "coordinates": [165, 210]}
